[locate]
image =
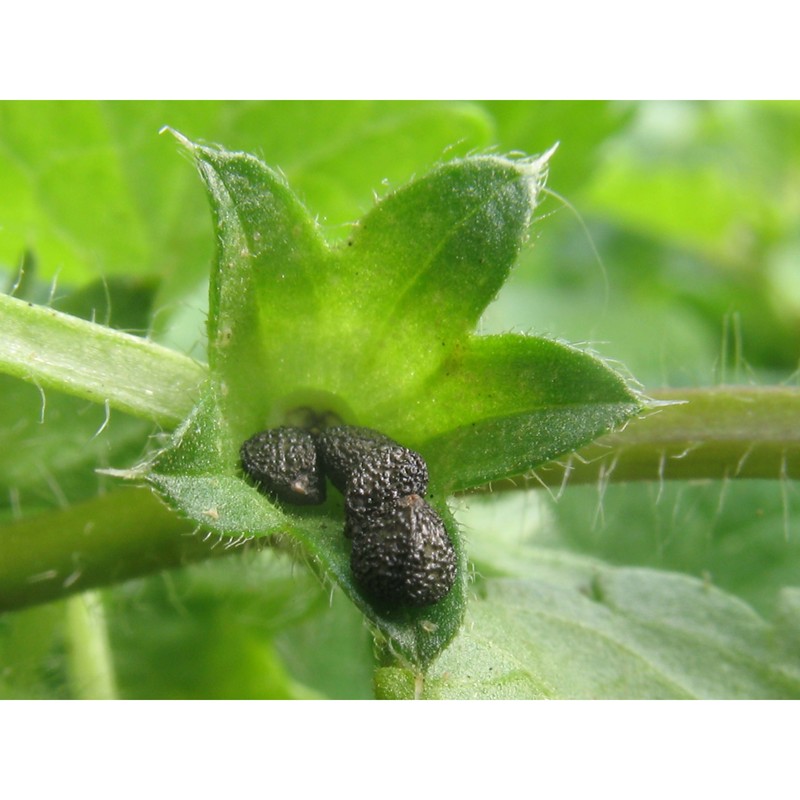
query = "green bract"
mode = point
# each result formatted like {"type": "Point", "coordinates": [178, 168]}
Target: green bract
{"type": "Point", "coordinates": [378, 330]}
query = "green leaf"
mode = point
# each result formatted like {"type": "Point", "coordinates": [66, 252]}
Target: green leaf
{"type": "Point", "coordinates": [694, 204]}
{"type": "Point", "coordinates": [63, 186]}
{"type": "Point", "coordinates": [580, 629]}
{"type": "Point", "coordinates": [245, 627]}
{"type": "Point", "coordinates": [26, 644]}
{"type": "Point", "coordinates": [581, 127]}
{"type": "Point", "coordinates": [743, 537]}
{"type": "Point", "coordinates": [219, 642]}
{"type": "Point", "coordinates": [96, 191]}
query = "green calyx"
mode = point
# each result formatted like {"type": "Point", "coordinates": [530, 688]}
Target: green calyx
{"type": "Point", "coordinates": [376, 331]}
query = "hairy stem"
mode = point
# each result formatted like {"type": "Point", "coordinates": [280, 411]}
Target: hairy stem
{"type": "Point", "coordinates": [721, 432]}
{"type": "Point", "coordinates": [120, 535]}
{"type": "Point", "coordinates": [58, 351]}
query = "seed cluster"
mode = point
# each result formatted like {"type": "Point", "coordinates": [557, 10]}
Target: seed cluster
{"type": "Point", "coordinates": [401, 554]}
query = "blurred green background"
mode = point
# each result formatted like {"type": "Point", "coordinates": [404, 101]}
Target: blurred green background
{"type": "Point", "coordinates": [669, 243]}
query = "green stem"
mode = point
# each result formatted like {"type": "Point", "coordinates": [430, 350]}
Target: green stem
{"type": "Point", "coordinates": [724, 432]}
{"type": "Point", "coordinates": [117, 536]}
{"type": "Point", "coordinates": [90, 666]}
{"type": "Point", "coordinates": [59, 351]}
{"type": "Point", "coordinates": [718, 433]}
{"type": "Point", "coordinates": [728, 432]}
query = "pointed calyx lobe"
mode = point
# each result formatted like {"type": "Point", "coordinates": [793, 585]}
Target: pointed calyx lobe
{"type": "Point", "coordinates": [427, 260]}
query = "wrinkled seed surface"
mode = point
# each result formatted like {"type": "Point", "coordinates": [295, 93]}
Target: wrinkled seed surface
{"type": "Point", "coordinates": [284, 462]}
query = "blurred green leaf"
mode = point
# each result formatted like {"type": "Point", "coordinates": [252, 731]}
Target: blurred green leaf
{"type": "Point", "coordinates": [740, 537]}
{"type": "Point", "coordinates": [98, 192]}
{"type": "Point", "coordinates": [212, 630]}
{"type": "Point", "coordinates": [31, 654]}
{"type": "Point", "coordinates": [698, 206]}
{"type": "Point", "coordinates": [581, 128]}
{"type": "Point", "coordinates": [693, 209]}
{"type": "Point", "coordinates": [577, 629]}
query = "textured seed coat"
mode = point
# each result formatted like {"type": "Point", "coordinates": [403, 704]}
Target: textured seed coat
{"type": "Point", "coordinates": [385, 474]}
{"type": "Point", "coordinates": [403, 556]}
{"type": "Point", "coordinates": [401, 553]}
{"type": "Point", "coordinates": [283, 462]}
{"type": "Point", "coordinates": [343, 447]}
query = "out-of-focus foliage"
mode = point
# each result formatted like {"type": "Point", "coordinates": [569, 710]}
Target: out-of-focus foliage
{"type": "Point", "coordinates": [671, 243]}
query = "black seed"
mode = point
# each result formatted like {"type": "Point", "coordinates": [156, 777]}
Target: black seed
{"type": "Point", "coordinates": [342, 448]}
{"type": "Point", "coordinates": [403, 557]}
{"type": "Point", "coordinates": [283, 462]}
{"type": "Point", "coordinates": [383, 474]}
